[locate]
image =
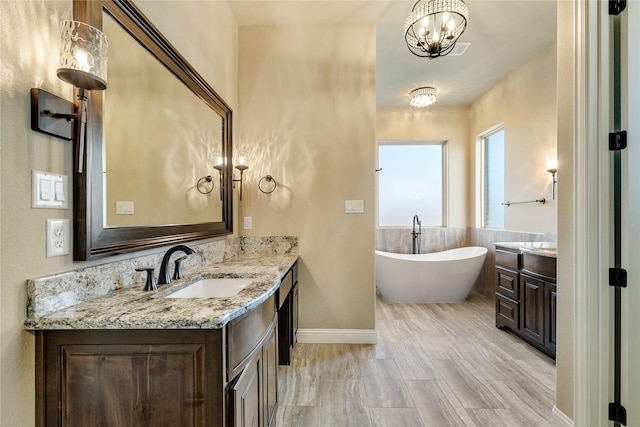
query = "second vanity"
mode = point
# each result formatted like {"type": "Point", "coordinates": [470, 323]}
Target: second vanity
{"type": "Point", "coordinates": [526, 292]}
{"type": "Point", "coordinates": [139, 358]}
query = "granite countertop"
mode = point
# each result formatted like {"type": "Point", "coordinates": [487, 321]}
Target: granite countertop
{"type": "Point", "coordinates": [548, 249]}
{"type": "Point", "coordinates": [132, 308]}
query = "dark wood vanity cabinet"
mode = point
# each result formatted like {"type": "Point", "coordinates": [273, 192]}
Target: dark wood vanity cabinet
{"type": "Point", "coordinates": [129, 377]}
{"type": "Point", "coordinates": [217, 377]}
{"type": "Point", "coordinates": [288, 315]}
{"type": "Point", "coordinates": [526, 297]}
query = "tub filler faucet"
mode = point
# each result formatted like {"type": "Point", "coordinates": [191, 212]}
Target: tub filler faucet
{"type": "Point", "coordinates": [416, 235]}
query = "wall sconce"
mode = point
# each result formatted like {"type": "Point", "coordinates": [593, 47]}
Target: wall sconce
{"type": "Point", "coordinates": [83, 63]}
{"type": "Point", "coordinates": [552, 168]}
{"type": "Point", "coordinates": [241, 166]}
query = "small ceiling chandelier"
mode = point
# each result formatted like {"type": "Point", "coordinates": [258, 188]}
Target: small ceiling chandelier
{"type": "Point", "coordinates": [422, 97]}
{"type": "Point", "coordinates": [433, 27]}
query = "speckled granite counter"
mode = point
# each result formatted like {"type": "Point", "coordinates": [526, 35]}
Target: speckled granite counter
{"type": "Point", "coordinates": [132, 308]}
{"type": "Point", "coordinates": [547, 249]}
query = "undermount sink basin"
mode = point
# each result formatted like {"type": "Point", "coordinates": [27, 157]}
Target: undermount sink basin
{"type": "Point", "coordinates": [213, 288]}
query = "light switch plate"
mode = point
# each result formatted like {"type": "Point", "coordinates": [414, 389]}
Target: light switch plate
{"type": "Point", "coordinates": [354, 206]}
{"type": "Point", "coordinates": [49, 190]}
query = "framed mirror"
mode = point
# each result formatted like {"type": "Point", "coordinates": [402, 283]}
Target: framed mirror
{"type": "Point", "coordinates": [151, 136]}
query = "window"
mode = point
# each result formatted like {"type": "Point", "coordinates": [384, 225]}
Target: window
{"type": "Point", "coordinates": [493, 178]}
{"type": "Point", "coordinates": [411, 182]}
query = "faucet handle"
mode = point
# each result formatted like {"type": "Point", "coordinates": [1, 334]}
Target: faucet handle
{"type": "Point", "coordinates": [150, 284]}
{"type": "Point", "coordinates": [177, 271]}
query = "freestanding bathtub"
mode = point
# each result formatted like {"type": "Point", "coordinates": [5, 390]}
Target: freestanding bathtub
{"type": "Point", "coordinates": [446, 276]}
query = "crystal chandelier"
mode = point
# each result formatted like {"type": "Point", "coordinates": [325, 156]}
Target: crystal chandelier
{"type": "Point", "coordinates": [433, 27]}
{"type": "Point", "coordinates": [422, 97]}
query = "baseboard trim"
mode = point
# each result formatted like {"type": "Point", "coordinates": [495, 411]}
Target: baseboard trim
{"type": "Point", "coordinates": [337, 336]}
{"type": "Point", "coordinates": [560, 419]}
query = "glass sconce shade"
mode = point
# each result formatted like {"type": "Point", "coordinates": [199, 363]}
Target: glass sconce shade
{"type": "Point", "coordinates": [83, 56]}
{"type": "Point", "coordinates": [422, 97]}
{"type": "Point", "coordinates": [433, 27]}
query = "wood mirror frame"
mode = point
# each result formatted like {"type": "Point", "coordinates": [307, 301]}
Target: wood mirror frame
{"type": "Point", "coordinates": [91, 238]}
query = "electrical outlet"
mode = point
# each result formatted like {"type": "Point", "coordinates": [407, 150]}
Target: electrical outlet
{"type": "Point", "coordinates": [247, 223]}
{"type": "Point", "coordinates": [57, 237]}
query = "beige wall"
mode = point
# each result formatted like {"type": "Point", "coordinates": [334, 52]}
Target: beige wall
{"type": "Point", "coordinates": [307, 117]}
{"type": "Point", "coordinates": [435, 123]}
{"type": "Point", "coordinates": [30, 31]}
{"type": "Point", "coordinates": [525, 101]}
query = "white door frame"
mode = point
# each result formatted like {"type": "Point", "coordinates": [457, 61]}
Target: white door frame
{"type": "Point", "coordinates": [590, 238]}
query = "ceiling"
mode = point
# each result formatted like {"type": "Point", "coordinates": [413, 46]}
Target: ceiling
{"type": "Point", "coordinates": [502, 34]}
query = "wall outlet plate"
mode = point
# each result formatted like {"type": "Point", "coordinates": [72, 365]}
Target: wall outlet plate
{"type": "Point", "coordinates": [58, 233]}
{"type": "Point", "coordinates": [248, 223]}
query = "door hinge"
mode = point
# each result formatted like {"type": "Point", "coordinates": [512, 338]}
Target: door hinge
{"type": "Point", "coordinates": [617, 6]}
{"type": "Point", "coordinates": [618, 277]}
{"type": "Point", "coordinates": [617, 413]}
{"type": "Point", "coordinates": [618, 140]}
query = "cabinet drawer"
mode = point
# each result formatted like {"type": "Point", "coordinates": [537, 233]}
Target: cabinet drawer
{"type": "Point", "coordinates": [245, 333]}
{"type": "Point", "coordinates": [507, 283]}
{"type": "Point", "coordinates": [539, 265]}
{"type": "Point", "coordinates": [508, 259]}
{"type": "Point", "coordinates": [507, 312]}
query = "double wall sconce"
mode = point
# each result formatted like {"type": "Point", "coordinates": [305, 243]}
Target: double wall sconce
{"type": "Point", "coordinates": [266, 185]}
{"type": "Point", "coordinates": [552, 168]}
{"type": "Point", "coordinates": [83, 63]}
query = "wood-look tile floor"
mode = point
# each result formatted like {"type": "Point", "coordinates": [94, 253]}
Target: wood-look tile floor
{"type": "Point", "coordinates": [434, 365]}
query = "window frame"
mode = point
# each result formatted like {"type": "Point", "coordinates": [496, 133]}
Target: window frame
{"type": "Point", "coordinates": [481, 186]}
{"type": "Point", "coordinates": [445, 177]}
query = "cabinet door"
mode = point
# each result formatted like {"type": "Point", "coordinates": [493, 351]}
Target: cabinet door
{"type": "Point", "coordinates": [550, 302]}
{"type": "Point", "coordinates": [294, 315]}
{"type": "Point", "coordinates": [284, 331]}
{"type": "Point", "coordinates": [531, 308]}
{"type": "Point", "coordinates": [270, 375]}
{"type": "Point", "coordinates": [246, 395]}
{"type": "Point", "coordinates": [100, 378]}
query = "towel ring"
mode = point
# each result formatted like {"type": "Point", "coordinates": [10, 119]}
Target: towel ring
{"type": "Point", "coordinates": [202, 180]}
{"type": "Point", "coordinates": [267, 178]}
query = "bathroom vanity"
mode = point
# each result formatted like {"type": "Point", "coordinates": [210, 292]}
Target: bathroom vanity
{"type": "Point", "coordinates": [140, 358]}
{"type": "Point", "coordinates": [526, 292]}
